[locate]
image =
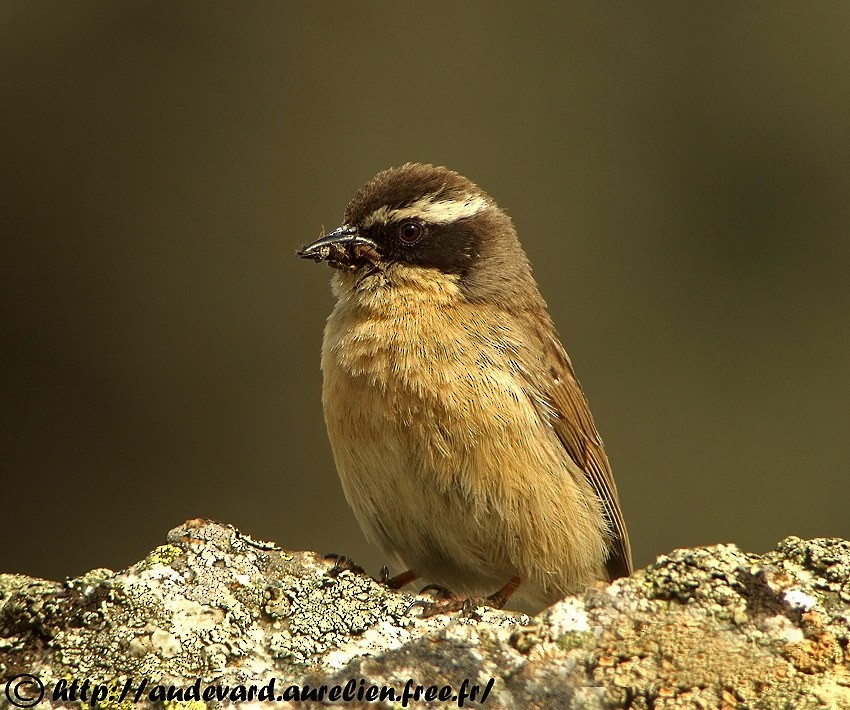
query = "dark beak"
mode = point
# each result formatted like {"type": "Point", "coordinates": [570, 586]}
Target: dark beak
{"type": "Point", "coordinates": [339, 245]}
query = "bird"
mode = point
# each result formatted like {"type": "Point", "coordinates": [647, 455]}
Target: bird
{"type": "Point", "coordinates": [463, 440]}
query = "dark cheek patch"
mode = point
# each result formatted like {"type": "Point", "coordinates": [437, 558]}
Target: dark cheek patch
{"type": "Point", "coordinates": [449, 248]}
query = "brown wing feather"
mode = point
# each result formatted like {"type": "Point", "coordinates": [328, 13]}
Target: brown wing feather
{"type": "Point", "coordinates": [566, 408]}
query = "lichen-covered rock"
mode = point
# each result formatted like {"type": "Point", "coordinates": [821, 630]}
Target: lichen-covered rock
{"type": "Point", "coordinates": [218, 619]}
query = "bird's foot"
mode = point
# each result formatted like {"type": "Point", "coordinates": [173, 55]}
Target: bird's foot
{"type": "Point", "coordinates": [447, 602]}
{"type": "Point", "coordinates": [399, 580]}
{"type": "Point", "coordinates": [342, 563]}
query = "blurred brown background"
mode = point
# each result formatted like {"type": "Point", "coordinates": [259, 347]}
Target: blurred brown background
{"type": "Point", "coordinates": [678, 173]}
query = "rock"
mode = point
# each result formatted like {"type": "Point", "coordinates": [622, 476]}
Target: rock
{"type": "Point", "coordinates": [218, 618]}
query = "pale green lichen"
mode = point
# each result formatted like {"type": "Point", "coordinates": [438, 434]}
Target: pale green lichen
{"type": "Point", "coordinates": [162, 556]}
{"type": "Point", "coordinates": [575, 639]}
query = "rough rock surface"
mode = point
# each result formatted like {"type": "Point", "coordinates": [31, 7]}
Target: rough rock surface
{"type": "Point", "coordinates": [215, 612]}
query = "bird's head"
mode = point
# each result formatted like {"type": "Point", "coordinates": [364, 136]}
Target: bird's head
{"type": "Point", "coordinates": [429, 221]}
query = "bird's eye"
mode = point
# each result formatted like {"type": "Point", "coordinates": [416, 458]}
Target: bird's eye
{"type": "Point", "coordinates": [410, 232]}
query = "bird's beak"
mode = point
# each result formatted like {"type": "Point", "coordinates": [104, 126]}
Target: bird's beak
{"type": "Point", "coordinates": [343, 246]}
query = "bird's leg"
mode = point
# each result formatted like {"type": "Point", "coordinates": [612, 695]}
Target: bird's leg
{"type": "Point", "coordinates": [499, 598]}
{"type": "Point", "coordinates": [399, 580]}
{"type": "Point", "coordinates": [450, 602]}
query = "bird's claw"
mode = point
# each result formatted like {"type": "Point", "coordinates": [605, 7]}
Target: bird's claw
{"type": "Point", "coordinates": [446, 602]}
{"type": "Point", "coordinates": [467, 606]}
{"type": "Point", "coordinates": [398, 581]}
{"type": "Point", "coordinates": [441, 591]}
{"type": "Point", "coordinates": [341, 564]}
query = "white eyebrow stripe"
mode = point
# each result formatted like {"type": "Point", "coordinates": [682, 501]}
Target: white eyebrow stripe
{"type": "Point", "coordinates": [430, 209]}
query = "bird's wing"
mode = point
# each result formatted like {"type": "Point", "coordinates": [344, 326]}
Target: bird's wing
{"type": "Point", "coordinates": [563, 404]}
